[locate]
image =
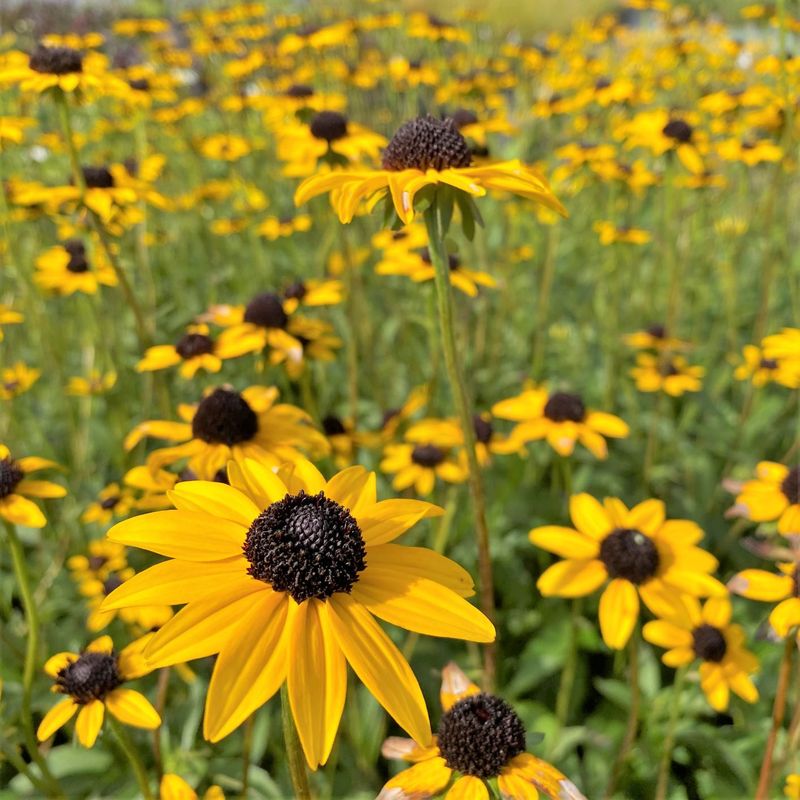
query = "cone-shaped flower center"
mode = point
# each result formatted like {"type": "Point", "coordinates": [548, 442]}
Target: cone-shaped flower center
{"type": "Point", "coordinates": [479, 735]}
{"type": "Point", "coordinates": [483, 429]}
{"type": "Point", "coordinates": [657, 330]}
{"type": "Point", "coordinates": [679, 130]}
{"type": "Point", "coordinates": [98, 178]}
{"type": "Point", "coordinates": [297, 291]}
{"type": "Point", "coordinates": [329, 126]}
{"type": "Point", "coordinates": [709, 643]}
{"type": "Point", "coordinates": [306, 545]}
{"type": "Point", "coordinates": [55, 60]}
{"type": "Point", "coordinates": [427, 143]}
{"type": "Point", "coordinates": [224, 417]}
{"type": "Point", "coordinates": [629, 554]}
{"type": "Point", "coordinates": [333, 426]}
{"type": "Point", "coordinates": [10, 476]}
{"type": "Point", "coordinates": [91, 677]}
{"type": "Point", "coordinates": [791, 486]}
{"type": "Point", "coordinates": [266, 310]}
{"type": "Point", "coordinates": [427, 455]}
{"type": "Point", "coordinates": [563, 407]}
{"type": "Point", "coordinates": [77, 256]}
{"type": "Point", "coordinates": [194, 344]}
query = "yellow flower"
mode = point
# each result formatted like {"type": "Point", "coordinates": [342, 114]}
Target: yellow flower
{"type": "Point", "coordinates": [194, 351]}
{"type": "Point", "coordinates": [773, 495]}
{"type": "Point", "coordinates": [93, 680]}
{"type": "Point", "coordinates": [425, 152]}
{"type": "Point", "coordinates": [96, 384]}
{"type": "Point", "coordinates": [9, 317]}
{"type": "Point", "coordinates": [792, 789]}
{"type": "Point", "coordinates": [670, 374]}
{"type": "Point", "coordinates": [758, 584]}
{"type": "Point", "coordinates": [562, 419]}
{"type": "Point", "coordinates": [17, 379]}
{"type": "Point", "coordinates": [661, 133]}
{"type": "Point", "coordinates": [12, 129]}
{"type": "Point", "coordinates": [654, 337]}
{"type": "Point", "coordinates": [480, 739]}
{"type": "Point", "coordinates": [639, 551]}
{"type": "Point", "coordinates": [761, 371]}
{"type": "Point", "coordinates": [16, 487]}
{"type": "Point", "coordinates": [225, 147]}
{"type": "Point", "coordinates": [68, 268]}
{"type": "Point", "coordinates": [273, 228]}
{"type": "Point", "coordinates": [783, 345]}
{"type": "Point", "coordinates": [227, 424]}
{"type": "Point", "coordinates": [312, 292]}
{"type": "Point", "coordinates": [422, 25]}
{"type": "Point", "coordinates": [173, 787]}
{"type": "Point", "coordinates": [281, 576]}
{"type": "Point", "coordinates": [113, 501]}
{"type": "Point", "coordinates": [708, 634]}
{"type": "Point", "coordinates": [749, 152]}
{"type": "Point", "coordinates": [609, 233]}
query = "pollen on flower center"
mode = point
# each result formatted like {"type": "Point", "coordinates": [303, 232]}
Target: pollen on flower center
{"type": "Point", "coordinates": [77, 256]}
{"type": "Point", "coordinates": [98, 178]}
{"type": "Point", "coordinates": [329, 126]}
{"type": "Point", "coordinates": [224, 417]}
{"type": "Point", "coordinates": [427, 143]}
{"type": "Point", "coordinates": [791, 486]}
{"type": "Point", "coordinates": [55, 60]}
{"type": "Point", "coordinates": [629, 554]}
{"type": "Point", "coordinates": [267, 311]}
{"type": "Point", "coordinates": [10, 476]}
{"type": "Point", "coordinates": [306, 545]}
{"type": "Point", "coordinates": [427, 455]}
{"type": "Point", "coordinates": [479, 735]}
{"type": "Point", "coordinates": [91, 677]}
{"type": "Point", "coordinates": [194, 344]}
{"type": "Point", "coordinates": [563, 407]}
{"type": "Point", "coordinates": [709, 643]}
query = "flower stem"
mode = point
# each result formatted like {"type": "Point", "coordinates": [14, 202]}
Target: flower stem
{"type": "Point", "coordinates": [633, 716]}
{"type": "Point", "coordinates": [247, 746]}
{"type": "Point", "coordinates": [570, 666]}
{"type": "Point", "coordinates": [778, 710]}
{"type": "Point", "coordinates": [294, 752]}
{"type": "Point", "coordinates": [161, 702]}
{"type": "Point", "coordinates": [543, 300]}
{"type": "Point", "coordinates": [669, 740]}
{"type": "Point", "coordinates": [444, 304]}
{"type": "Point", "coordinates": [31, 655]}
{"type": "Point", "coordinates": [127, 747]}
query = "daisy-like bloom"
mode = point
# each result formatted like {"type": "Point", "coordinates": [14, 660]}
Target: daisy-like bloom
{"type": "Point", "coordinates": [417, 265]}
{"type": "Point", "coordinates": [96, 384]}
{"type": "Point", "coordinates": [17, 379]}
{"type": "Point", "coordinates": [639, 551]}
{"type": "Point", "coordinates": [173, 787]}
{"type": "Point", "coordinates": [16, 488]}
{"type": "Point", "coordinates": [273, 228]}
{"type": "Point", "coordinates": [425, 152]}
{"type": "Point", "coordinates": [9, 317]}
{"type": "Point", "coordinates": [225, 147]}
{"type": "Point", "coordinates": [774, 494]}
{"type": "Point", "coordinates": [654, 337]}
{"type": "Point", "coordinates": [281, 574]}
{"type": "Point", "coordinates": [113, 501]}
{"type": "Point", "coordinates": [661, 132]}
{"type": "Point", "coordinates": [761, 370]}
{"type": "Point", "coordinates": [422, 25]}
{"type": "Point", "coordinates": [783, 345]}
{"type": "Point", "coordinates": [480, 739]}
{"type": "Point", "coordinates": [671, 374]}
{"type": "Point", "coordinates": [792, 788]}
{"type": "Point", "coordinates": [228, 424]}
{"type": "Point", "coordinates": [313, 292]}
{"type": "Point", "coordinates": [434, 451]}
{"type": "Point", "coordinates": [153, 486]}
{"type": "Point", "coordinates": [707, 633]}
{"type": "Point", "coordinates": [67, 268]}
{"type": "Point", "coordinates": [194, 351]}
{"type": "Point", "coordinates": [94, 680]}
{"type": "Point", "coordinates": [749, 152]}
{"type": "Point", "coordinates": [477, 130]}
{"type": "Point", "coordinates": [12, 129]}
{"type": "Point", "coordinates": [609, 233]}
{"type": "Point", "coordinates": [102, 558]}
{"type": "Point", "coordinates": [562, 419]}
{"type": "Point", "coordinates": [343, 438]}
{"type": "Point", "coordinates": [758, 584]}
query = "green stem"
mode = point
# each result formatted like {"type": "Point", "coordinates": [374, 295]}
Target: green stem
{"type": "Point", "coordinates": [669, 740]}
{"type": "Point", "coordinates": [127, 747]}
{"type": "Point", "coordinates": [543, 300]}
{"type": "Point", "coordinates": [570, 666]}
{"type": "Point", "coordinates": [294, 752]}
{"type": "Point", "coordinates": [444, 297]}
{"type": "Point", "coordinates": [11, 755]}
{"type": "Point", "coordinates": [247, 746]}
{"type": "Point", "coordinates": [31, 654]}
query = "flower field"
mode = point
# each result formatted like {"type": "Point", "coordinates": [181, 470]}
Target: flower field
{"type": "Point", "coordinates": [400, 406]}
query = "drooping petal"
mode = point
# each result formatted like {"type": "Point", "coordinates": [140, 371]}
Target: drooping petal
{"type": "Point", "coordinates": [455, 686]}
{"type": "Point", "coordinates": [425, 779]}
{"type": "Point", "coordinates": [89, 722]}
{"type": "Point", "coordinates": [132, 708]}
{"type": "Point", "coordinates": [758, 584]}
{"type": "Point", "coordinates": [619, 610]}
{"type": "Point", "coordinates": [59, 715]}
{"type": "Point", "coordinates": [564, 542]}
{"type": "Point", "coordinates": [20, 511]}
{"type": "Point", "coordinates": [256, 481]}
{"type": "Point", "coordinates": [572, 578]}
{"type": "Point", "coordinates": [468, 787]}
{"type": "Point", "coordinates": [589, 516]}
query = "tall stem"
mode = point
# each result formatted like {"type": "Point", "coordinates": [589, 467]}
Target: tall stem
{"type": "Point", "coordinates": [669, 741]}
{"type": "Point", "coordinates": [444, 304]}
{"type": "Point", "coordinates": [31, 655]}
{"type": "Point", "coordinates": [294, 752]}
{"type": "Point", "coordinates": [127, 747]}
{"type": "Point", "coordinates": [778, 710]}
{"type": "Point", "coordinates": [247, 746]}
{"type": "Point", "coordinates": [543, 300]}
{"type": "Point", "coordinates": [633, 716]}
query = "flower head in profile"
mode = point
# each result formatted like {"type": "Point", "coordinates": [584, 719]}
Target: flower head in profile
{"type": "Point", "coordinates": [638, 551]}
{"type": "Point", "coordinates": [562, 419]}
{"type": "Point", "coordinates": [760, 370]}
{"type": "Point", "coordinates": [195, 350]}
{"type": "Point", "coordinates": [480, 739]}
{"type": "Point", "coordinates": [707, 634]}
{"type": "Point", "coordinates": [283, 575]}
{"type": "Point", "coordinates": [93, 681]}
{"type": "Point", "coordinates": [16, 487]}
{"type": "Point", "coordinates": [783, 588]}
{"type": "Point", "coordinates": [774, 494]}
{"type": "Point", "coordinates": [425, 152]}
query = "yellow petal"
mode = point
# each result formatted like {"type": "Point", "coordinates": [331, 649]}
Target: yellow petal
{"type": "Point", "coordinates": [589, 516]}
{"type": "Point", "coordinates": [468, 787]}
{"type": "Point", "coordinates": [619, 610]}
{"type": "Point", "coordinates": [90, 720]}
{"type": "Point", "coordinates": [717, 611]}
{"type": "Point", "coordinates": [55, 718]}
{"type": "Point", "coordinates": [132, 708]}
{"type": "Point", "coordinates": [425, 779]}
{"type": "Point", "coordinates": [647, 517]}
{"type": "Point", "coordinates": [564, 542]}
{"type": "Point", "coordinates": [40, 489]}
{"type": "Point", "coordinates": [215, 499]}
{"type": "Point", "coordinates": [785, 616]}
{"type": "Point", "coordinates": [665, 634]}
{"type": "Point", "coordinates": [757, 584]}
{"type": "Point", "coordinates": [257, 481]}
{"type": "Point", "coordinates": [56, 663]}
{"type": "Point", "coordinates": [423, 563]}
{"type": "Point", "coordinates": [572, 578]}
{"type": "Point", "coordinates": [302, 474]}
{"type": "Point", "coordinates": [21, 511]}
{"type": "Point", "coordinates": [380, 666]}
{"type": "Point", "coordinates": [102, 644]}
{"type": "Point", "coordinates": [346, 486]}
{"type": "Point", "coordinates": [386, 520]}
{"type": "Point", "coordinates": [173, 787]}
{"type": "Point", "coordinates": [455, 685]}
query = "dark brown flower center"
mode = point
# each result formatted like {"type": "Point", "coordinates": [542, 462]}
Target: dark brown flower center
{"type": "Point", "coordinates": [299, 90]}
{"type": "Point", "coordinates": [463, 116]}
{"type": "Point", "coordinates": [110, 502]}
{"type": "Point", "coordinates": [768, 363]}
{"type": "Point", "coordinates": [427, 455]}
{"type": "Point", "coordinates": [453, 261]}
{"type": "Point", "coordinates": [224, 417]}
{"type": "Point", "coordinates": [297, 291]}
{"type": "Point", "coordinates": [790, 486]}
{"type": "Point", "coordinates": [194, 344]}
{"type": "Point", "coordinates": [55, 60]}
{"type": "Point", "coordinates": [95, 562]}
{"type": "Point", "coordinates": [98, 177]}
{"type": "Point", "coordinates": [483, 429]}
{"type": "Point", "coordinates": [139, 84]}
{"type": "Point", "coordinates": [333, 426]}
{"type": "Point", "coordinates": [91, 677]}
{"type": "Point", "coordinates": [267, 311]}
{"type": "Point", "coordinates": [629, 554]}
{"type": "Point", "coordinates": [709, 643]}
{"type": "Point", "coordinates": [329, 126]}
{"type": "Point", "coordinates": [110, 583]}
{"type": "Point", "coordinates": [564, 407]}
{"type": "Point", "coordinates": [10, 476]}
{"type": "Point", "coordinates": [77, 256]}
{"type": "Point", "coordinates": [679, 130]}
{"type": "Point", "coordinates": [427, 143]}
{"type": "Point", "coordinates": [657, 331]}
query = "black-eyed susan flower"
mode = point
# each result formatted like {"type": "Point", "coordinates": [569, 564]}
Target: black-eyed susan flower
{"type": "Point", "coordinates": [173, 787]}
{"type": "Point", "coordinates": [425, 152]}
{"type": "Point", "coordinates": [639, 551]}
{"type": "Point", "coordinates": [93, 681]}
{"type": "Point", "coordinates": [758, 584]}
{"type": "Point", "coordinates": [97, 383]}
{"type": "Point", "coordinates": [562, 419]}
{"type": "Point", "coordinates": [16, 488]}
{"type": "Point", "coordinates": [792, 787]}
{"type": "Point", "coordinates": [312, 292]}
{"type": "Point", "coordinates": [707, 634]}
{"type": "Point", "coordinates": [343, 438]}
{"type": "Point", "coordinates": [67, 268]}
{"type": "Point", "coordinates": [774, 494]}
{"type": "Point", "coordinates": [281, 576]}
{"type": "Point", "coordinates": [224, 147]}
{"type": "Point", "coordinates": [273, 228]}
{"type": "Point", "coordinates": [194, 351]}
{"type": "Point", "coordinates": [113, 501]}
{"type": "Point", "coordinates": [749, 151]}
{"type": "Point", "coordinates": [609, 233]}
{"type": "Point", "coordinates": [654, 337]}
{"type": "Point", "coordinates": [760, 370]}
{"type": "Point", "coordinates": [480, 741]}
{"type": "Point", "coordinates": [666, 373]}
{"type": "Point", "coordinates": [783, 345]}
{"type": "Point", "coordinates": [17, 379]}
{"type": "Point", "coordinates": [662, 132]}
{"type": "Point", "coordinates": [228, 424]}
{"type": "Point", "coordinates": [153, 486]}
{"type": "Point", "coordinates": [422, 25]}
